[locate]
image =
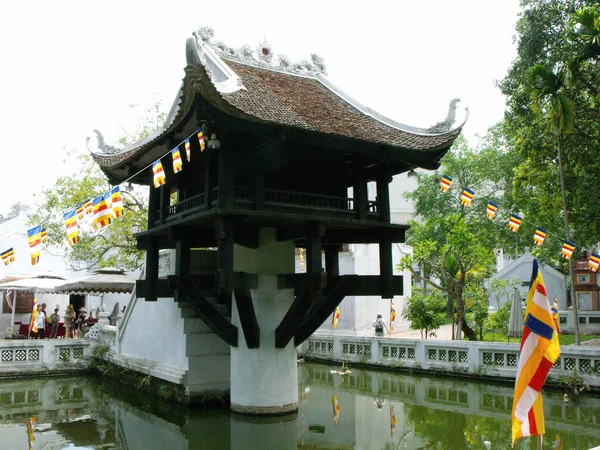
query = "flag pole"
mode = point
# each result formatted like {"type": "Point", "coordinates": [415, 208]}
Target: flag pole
{"type": "Point", "coordinates": [539, 442]}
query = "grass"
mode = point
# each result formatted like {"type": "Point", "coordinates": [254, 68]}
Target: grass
{"type": "Point", "coordinates": [565, 339]}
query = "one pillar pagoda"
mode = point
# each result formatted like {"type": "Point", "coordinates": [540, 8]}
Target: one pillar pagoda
{"type": "Point", "coordinates": [279, 160]}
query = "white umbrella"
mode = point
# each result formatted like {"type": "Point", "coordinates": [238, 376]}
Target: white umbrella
{"type": "Point", "coordinates": [103, 281]}
{"type": "Point", "coordinates": [515, 321]}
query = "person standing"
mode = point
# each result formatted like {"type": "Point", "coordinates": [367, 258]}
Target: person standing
{"type": "Point", "coordinates": [81, 325]}
{"type": "Point", "coordinates": [379, 325]}
{"type": "Point", "coordinates": [40, 321]}
{"type": "Point", "coordinates": [69, 319]}
{"type": "Point", "coordinates": [55, 320]}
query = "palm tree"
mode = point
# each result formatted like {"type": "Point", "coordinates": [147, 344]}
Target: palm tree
{"type": "Point", "coordinates": [548, 98]}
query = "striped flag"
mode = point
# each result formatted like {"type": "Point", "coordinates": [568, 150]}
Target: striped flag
{"type": "Point", "coordinates": [336, 317]}
{"type": "Point", "coordinates": [34, 238]}
{"type": "Point", "coordinates": [514, 222]}
{"type": "Point", "coordinates": [188, 153]}
{"type": "Point", "coordinates": [88, 206]}
{"type": "Point", "coordinates": [70, 219]}
{"type": "Point", "coordinates": [492, 208]}
{"type": "Point", "coordinates": [336, 409]}
{"type": "Point", "coordinates": [80, 211]}
{"type": "Point", "coordinates": [31, 421]}
{"type": "Point", "coordinates": [555, 315]}
{"type": "Point", "coordinates": [539, 351]}
{"type": "Point", "coordinates": [177, 163]}
{"type": "Point", "coordinates": [594, 262]}
{"type": "Point", "coordinates": [392, 315]}
{"type": "Point", "coordinates": [102, 212]}
{"type": "Point", "coordinates": [32, 322]}
{"type": "Point", "coordinates": [445, 183]}
{"type": "Point", "coordinates": [567, 250]}
{"type": "Point", "coordinates": [44, 236]}
{"type": "Point", "coordinates": [116, 201]}
{"type": "Point", "coordinates": [159, 173]}
{"type": "Point", "coordinates": [8, 256]}
{"type": "Point", "coordinates": [539, 236]}
{"type": "Point", "coordinates": [201, 139]}
{"type": "Point", "coordinates": [467, 197]}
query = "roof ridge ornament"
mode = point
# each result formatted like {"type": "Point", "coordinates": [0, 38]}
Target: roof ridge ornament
{"type": "Point", "coordinates": [263, 56]}
{"type": "Point", "coordinates": [446, 124]}
{"type": "Point", "coordinates": [102, 145]}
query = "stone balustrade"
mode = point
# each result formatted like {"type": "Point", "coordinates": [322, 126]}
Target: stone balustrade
{"type": "Point", "coordinates": [31, 356]}
{"type": "Point", "coordinates": [489, 359]}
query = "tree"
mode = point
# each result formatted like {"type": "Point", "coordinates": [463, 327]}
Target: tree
{"type": "Point", "coordinates": [454, 243]}
{"type": "Point", "coordinates": [114, 245]}
{"type": "Point", "coordinates": [424, 312]}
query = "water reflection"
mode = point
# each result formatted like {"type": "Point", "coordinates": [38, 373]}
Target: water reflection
{"type": "Point", "coordinates": [359, 410]}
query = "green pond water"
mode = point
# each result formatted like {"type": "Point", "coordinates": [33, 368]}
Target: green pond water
{"type": "Point", "coordinates": [362, 410]}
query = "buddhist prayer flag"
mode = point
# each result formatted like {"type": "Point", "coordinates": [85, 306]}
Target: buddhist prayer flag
{"type": "Point", "coordinates": [492, 208]}
{"type": "Point", "coordinates": [116, 201]}
{"type": "Point", "coordinates": [555, 315]}
{"type": "Point", "coordinates": [44, 236]}
{"type": "Point", "coordinates": [88, 206]}
{"type": "Point", "coordinates": [34, 237]}
{"type": "Point", "coordinates": [336, 409]}
{"type": "Point", "coordinates": [514, 222]}
{"type": "Point", "coordinates": [201, 139]}
{"type": "Point", "coordinates": [102, 212]}
{"type": "Point", "coordinates": [70, 219]}
{"type": "Point", "coordinates": [32, 322]}
{"type": "Point", "coordinates": [539, 351]}
{"type": "Point", "coordinates": [594, 262]}
{"type": "Point", "coordinates": [159, 173]}
{"type": "Point", "coordinates": [392, 316]}
{"type": "Point", "coordinates": [8, 256]}
{"type": "Point", "coordinates": [187, 150]}
{"type": "Point", "coordinates": [445, 183]}
{"type": "Point", "coordinates": [177, 164]}
{"type": "Point", "coordinates": [467, 197]}
{"type": "Point", "coordinates": [80, 211]}
{"type": "Point", "coordinates": [336, 316]}
{"type": "Point", "coordinates": [567, 250]}
{"type": "Point", "coordinates": [539, 236]}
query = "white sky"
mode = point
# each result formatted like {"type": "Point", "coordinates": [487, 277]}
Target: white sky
{"type": "Point", "coordinates": [69, 67]}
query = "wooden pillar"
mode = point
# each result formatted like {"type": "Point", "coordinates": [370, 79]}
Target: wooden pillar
{"type": "Point", "coordinates": [386, 264]}
{"type": "Point", "coordinates": [383, 194]}
{"type": "Point", "coordinates": [224, 282]}
{"type": "Point", "coordinates": [207, 173]}
{"type": "Point", "coordinates": [226, 175]}
{"type": "Point", "coordinates": [314, 263]}
{"type": "Point", "coordinates": [332, 260]}
{"type": "Point", "coordinates": [359, 189]}
{"type": "Point", "coordinates": [259, 191]}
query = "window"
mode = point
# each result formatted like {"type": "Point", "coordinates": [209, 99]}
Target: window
{"type": "Point", "coordinates": [583, 278]}
{"type": "Point", "coordinates": [584, 300]}
{"type": "Point", "coordinates": [23, 303]}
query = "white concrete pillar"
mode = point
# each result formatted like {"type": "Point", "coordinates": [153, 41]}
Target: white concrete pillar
{"type": "Point", "coordinates": [264, 380]}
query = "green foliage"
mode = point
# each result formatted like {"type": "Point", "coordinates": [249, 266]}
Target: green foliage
{"type": "Point", "coordinates": [497, 322]}
{"type": "Point", "coordinates": [425, 312]}
{"type": "Point", "coordinates": [575, 386]}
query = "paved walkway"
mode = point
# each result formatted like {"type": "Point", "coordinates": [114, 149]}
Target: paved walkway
{"type": "Point", "coordinates": [444, 333]}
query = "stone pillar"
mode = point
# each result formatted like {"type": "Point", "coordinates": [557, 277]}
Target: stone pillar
{"type": "Point", "coordinates": [264, 380]}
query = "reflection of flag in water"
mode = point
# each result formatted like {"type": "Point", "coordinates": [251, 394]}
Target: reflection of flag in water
{"type": "Point", "coordinates": [567, 250]}
{"type": "Point", "coordinates": [392, 315]}
{"type": "Point", "coordinates": [555, 315]}
{"type": "Point", "coordinates": [70, 219]}
{"type": "Point", "coordinates": [594, 262]}
{"type": "Point", "coordinates": [558, 443]}
{"type": "Point", "coordinates": [467, 197]}
{"type": "Point", "coordinates": [336, 316]}
{"type": "Point", "coordinates": [336, 409]}
{"type": "Point", "coordinates": [492, 208]}
{"type": "Point", "coordinates": [445, 183]}
{"type": "Point", "coordinates": [539, 351]}
{"type": "Point", "coordinates": [32, 322]}
{"type": "Point", "coordinates": [393, 421]}
{"type": "Point", "coordinates": [34, 237]}
{"type": "Point", "coordinates": [31, 421]}
{"type": "Point", "coordinates": [514, 222]}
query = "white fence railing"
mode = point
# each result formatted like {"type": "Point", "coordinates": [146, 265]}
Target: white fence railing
{"type": "Point", "coordinates": [477, 358]}
{"type": "Point", "coordinates": [27, 356]}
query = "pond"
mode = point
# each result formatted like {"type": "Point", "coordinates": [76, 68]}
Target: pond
{"type": "Point", "coordinates": [364, 409]}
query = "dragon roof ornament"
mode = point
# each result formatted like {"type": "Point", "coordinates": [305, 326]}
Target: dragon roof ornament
{"type": "Point", "coordinates": [261, 56]}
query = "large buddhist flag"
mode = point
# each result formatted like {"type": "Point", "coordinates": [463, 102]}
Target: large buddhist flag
{"type": "Point", "coordinates": [555, 316]}
{"type": "Point", "coordinates": [467, 197]}
{"type": "Point", "coordinates": [392, 315]}
{"type": "Point", "coordinates": [34, 237]}
{"type": "Point", "coordinates": [492, 208]}
{"type": "Point", "coordinates": [102, 212]}
{"type": "Point", "coordinates": [567, 250]}
{"type": "Point", "coordinates": [8, 256]}
{"type": "Point", "coordinates": [32, 321]}
{"type": "Point", "coordinates": [539, 236]}
{"type": "Point", "coordinates": [159, 173]}
{"type": "Point", "coordinates": [177, 164]}
{"type": "Point", "coordinates": [188, 154]}
{"type": "Point", "coordinates": [201, 139]}
{"type": "Point", "coordinates": [116, 201]}
{"type": "Point", "coordinates": [514, 222]}
{"type": "Point", "coordinates": [70, 219]}
{"type": "Point", "coordinates": [539, 351]}
{"type": "Point", "coordinates": [445, 183]}
{"type": "Point", "coordinates": [336, 317]}
{"type": "Point", "coordinates": [594, 262]}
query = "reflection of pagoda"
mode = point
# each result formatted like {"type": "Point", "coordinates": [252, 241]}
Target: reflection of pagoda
{"type": "Point", "coordinates": [284, 147]}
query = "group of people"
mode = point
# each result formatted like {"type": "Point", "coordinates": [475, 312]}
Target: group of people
{"type": "Point", "coordinates": [75, 325]}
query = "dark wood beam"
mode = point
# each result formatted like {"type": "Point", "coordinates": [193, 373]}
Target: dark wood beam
{"type": "Point", "coordinates": [288, 326]}
{"type": "Point", "coordinates": [386, 264]}
{"type": "Point", "coordinates": [243, 300]}
{"type": "Point", "coordinates": [246, 235]}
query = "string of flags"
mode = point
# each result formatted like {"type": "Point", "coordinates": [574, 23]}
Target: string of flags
{"type": "Point", "coordinates": [103, 209]}
{"type": "Point", "coordinates": [514, 222]}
